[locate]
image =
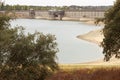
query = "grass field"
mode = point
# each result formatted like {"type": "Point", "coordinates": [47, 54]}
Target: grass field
{"type": "Point", "coordinates": [87, 72]}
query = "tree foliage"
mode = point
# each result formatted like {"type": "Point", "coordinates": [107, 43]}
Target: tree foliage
{"type": "Point", "coordinates": [98, 20]}
{"type": "Point", "coordinates": [25, 57]}
{"type": "Point", "coordinates": [111, 42]}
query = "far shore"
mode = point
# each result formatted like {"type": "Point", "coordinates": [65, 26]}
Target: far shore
{"type": "Point", "coordinates": [89, 21]}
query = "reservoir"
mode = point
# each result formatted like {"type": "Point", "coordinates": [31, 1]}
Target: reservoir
{"type": "Point", "coordinates": [71, 49]}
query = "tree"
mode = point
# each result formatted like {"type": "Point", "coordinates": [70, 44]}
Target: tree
{"type": "Point", "coordinates": [6, 37]}
{"type": "Point", "coordinates": [26, 57]}
{"type": "Point", "coordinates": [1, 5]}
{"type": "Point", "coordinates": [111, 31]}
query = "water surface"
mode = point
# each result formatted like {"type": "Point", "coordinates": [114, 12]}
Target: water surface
{"type": "Point", "coordinates": [71, 49]}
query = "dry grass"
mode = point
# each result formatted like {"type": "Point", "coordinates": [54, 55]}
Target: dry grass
{"type": "Point", "coordinates": [87, 72]}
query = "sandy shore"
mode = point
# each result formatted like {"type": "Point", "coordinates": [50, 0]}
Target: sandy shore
{"type": "Point", "coordinates": [97, 37]}
{"type": "Point", "coordinates": [92, 36]}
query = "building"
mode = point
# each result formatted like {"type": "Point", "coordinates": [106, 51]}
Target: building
{"type": "Point", "coordinates": [32, 13]}
{"type": "Point", "coordinates": [53, 14]}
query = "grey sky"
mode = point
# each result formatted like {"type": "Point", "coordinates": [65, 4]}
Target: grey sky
{"type": "Point", "coordinates": [61, 2]}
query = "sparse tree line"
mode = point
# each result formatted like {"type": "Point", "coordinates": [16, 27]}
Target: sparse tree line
{"type": "Point", "coordinates": [65, 8]}
{"type": "Point", "coordinates": [25, 7]}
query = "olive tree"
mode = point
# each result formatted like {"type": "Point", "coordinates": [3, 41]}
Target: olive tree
{"type": "Point", "coordinates": [26, 57]}
{"type": "Point", "coordinates": [111, 31]}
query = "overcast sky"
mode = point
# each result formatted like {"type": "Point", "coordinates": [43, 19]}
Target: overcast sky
{"type": "Point", "coordinates": [61, 2]}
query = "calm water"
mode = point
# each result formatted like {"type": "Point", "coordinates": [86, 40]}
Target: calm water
{"type": "Point", "coordinates": [71, 49]}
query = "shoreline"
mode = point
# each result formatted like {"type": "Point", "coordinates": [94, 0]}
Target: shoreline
{"type": "Point", "coordinates": [88, 21]}
{"type": "Point", "coordinates": [95, 36]}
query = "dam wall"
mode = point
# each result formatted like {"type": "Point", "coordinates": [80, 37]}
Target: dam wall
{"type": "Point", "coordinates": [69, 14]}
{"type": "Point", "coordinates": [85, 14]}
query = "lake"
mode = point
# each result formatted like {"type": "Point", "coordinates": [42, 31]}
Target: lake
{"type": "Point", "coordinates": [71, 49]}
